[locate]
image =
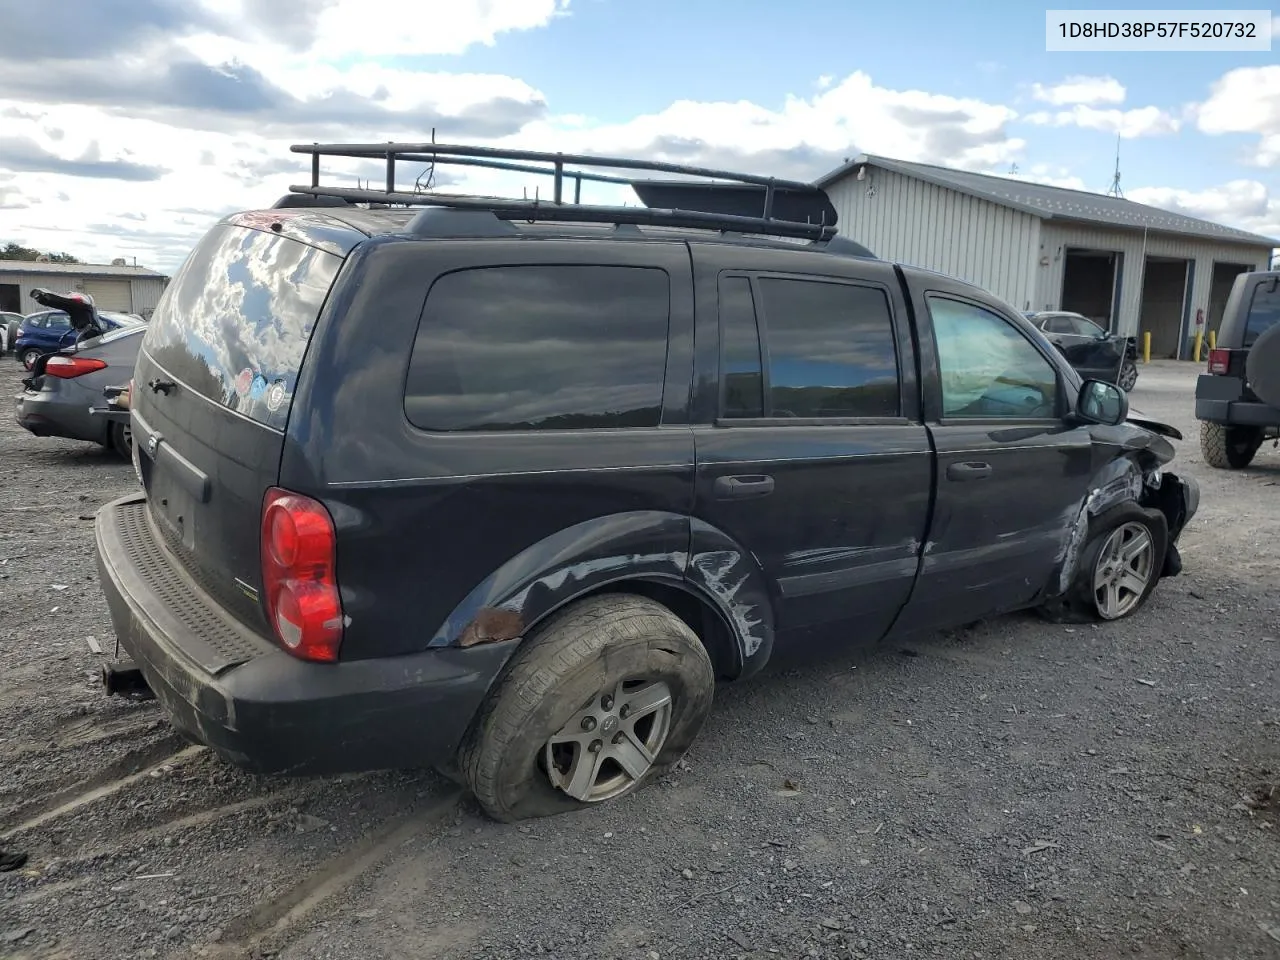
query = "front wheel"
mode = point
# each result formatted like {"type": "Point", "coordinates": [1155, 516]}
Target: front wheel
{"type": "Point", "coordinates": [1118, 568]}
{"type": "Point", "coordinates": [29, 356]}
{"type": "Point", "coordinates": [605, 697]}
{"type": "Point", "coordinates": [1128, 376]}
{"type": "Point", "coordinates": [1228, 448]}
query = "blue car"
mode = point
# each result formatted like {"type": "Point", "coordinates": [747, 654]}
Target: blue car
{"type": "Point", "coordinates": [51, 330]}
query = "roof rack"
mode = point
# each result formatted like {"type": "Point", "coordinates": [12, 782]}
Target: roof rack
{"type": "Point", "coordinates": [553, 165]}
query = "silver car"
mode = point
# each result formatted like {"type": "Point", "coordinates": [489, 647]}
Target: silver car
{"type": "Point", "coordinates": [64, 389]}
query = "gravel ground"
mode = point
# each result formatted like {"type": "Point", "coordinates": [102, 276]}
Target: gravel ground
{"type": "Point", "coordinates": [1012, 790]}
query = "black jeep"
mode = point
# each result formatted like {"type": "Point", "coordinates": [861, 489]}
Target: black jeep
{"type": "Point", "coordinates": [1238, 399]}
{"type": "Point", "coordinates": [505, 486]}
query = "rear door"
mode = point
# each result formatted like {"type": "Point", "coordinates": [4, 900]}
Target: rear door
{"type": "Point", "coordinates": [213, 386]}
{"type": "Point", "coordinates": [813, 458]}
{"type": "Point", "coordinates": [1012, 471]}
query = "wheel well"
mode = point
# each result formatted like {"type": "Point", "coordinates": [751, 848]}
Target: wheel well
{"type": "Point", "coordinates": [699, 615]}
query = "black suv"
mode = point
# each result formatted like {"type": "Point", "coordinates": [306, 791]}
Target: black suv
{"type": "Point", "coordinates": [1238, 400]}
{"type": "Point", "coordinates": [504, 487]}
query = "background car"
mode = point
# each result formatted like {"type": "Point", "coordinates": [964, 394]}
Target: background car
{"type": "Point", "coordinates": [51, 330]}
{"type": "Point", "coordinates": [9, 323]}
{"type": "Point", "coordinates": [63, 387]}
{"type": "Point", "coordinates": [1091, 350]}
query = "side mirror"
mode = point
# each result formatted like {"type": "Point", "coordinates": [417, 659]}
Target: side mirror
{"type": "Point", "coordinates": [1102, 402]}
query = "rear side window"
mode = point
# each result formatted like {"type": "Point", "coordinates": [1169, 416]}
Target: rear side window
{"type": "Point", "coordinates": [1264, 311]}
{"type": "Point", "coordinates": [234, 323]}
{"type": "Point", "coordinates": [541, 348]}
{"type": "Point", "coordinates": [828, 350]}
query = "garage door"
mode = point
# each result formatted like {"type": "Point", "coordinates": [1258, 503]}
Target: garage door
{"type": "Point", "coordinates": [110, 294]}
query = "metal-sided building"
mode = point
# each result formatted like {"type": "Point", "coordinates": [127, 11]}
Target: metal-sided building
{"type": "Point", "coordinates": [1130, 267]}
{"type": "Point", "coordinates": [116, 286]}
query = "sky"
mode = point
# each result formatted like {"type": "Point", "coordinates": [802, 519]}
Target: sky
{"type": "Point", "coordinates": [127, 127]}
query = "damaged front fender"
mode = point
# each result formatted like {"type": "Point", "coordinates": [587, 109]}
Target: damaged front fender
{"type": "Point", "coordinates": [1128, 480]}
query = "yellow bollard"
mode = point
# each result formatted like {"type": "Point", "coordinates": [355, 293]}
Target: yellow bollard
{"type": "Point", "coordinates": [1146, 347]}
{"type": "Point", "coordinates": [1199, 344]}
{"type": "Point", "coordinates": [1213, 339]}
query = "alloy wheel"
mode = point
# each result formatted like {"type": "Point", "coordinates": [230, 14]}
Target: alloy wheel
{"type": "Point", "coordinates": [609, 745]}
{"type": "Point", "coordinates": [1123, 570]}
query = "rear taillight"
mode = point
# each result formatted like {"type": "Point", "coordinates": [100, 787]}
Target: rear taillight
{"type": "Point", "coordinates": [68, 368]}
{"type": "Point", "coordinates": [1219, 361]}
{"type": "Point", "coordinates": [299, 575]}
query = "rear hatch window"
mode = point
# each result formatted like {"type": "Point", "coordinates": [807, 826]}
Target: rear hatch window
{"type": "Point", "coordinates": [228, 335]}
{"type": "Point", "coordinates": [235, 321]}
{"type": "Point", "coordinates": [1264, 311]}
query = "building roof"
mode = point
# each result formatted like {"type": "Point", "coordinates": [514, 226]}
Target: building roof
{"type": "Point", "coordinates": [79, 269]}
{"type": "Point", "coordinates": [1055, 203]}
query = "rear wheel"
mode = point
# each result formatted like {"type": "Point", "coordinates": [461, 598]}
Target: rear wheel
{"type": "Point", "coordinates": [29, 357]}
{"type": "Point", "coordinates": [1128, 376]}
{"type": "Point", "coordinates": [1228, 448]}
{"type": "Point", "coordinates": [120, 437]}
{"type": "Point", "coordinates": [603, 699]}
{"type": "Point", "coordinates": [1118, 568]}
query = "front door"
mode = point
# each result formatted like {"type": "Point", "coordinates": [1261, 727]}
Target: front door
{"type": "Point", "coordinates": [817, 463]}
{"type": "Point", "coordinates": [1012, 471]}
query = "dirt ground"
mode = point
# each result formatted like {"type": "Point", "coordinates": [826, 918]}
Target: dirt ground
{"type": "Point", "coordinates": [1013, 790]}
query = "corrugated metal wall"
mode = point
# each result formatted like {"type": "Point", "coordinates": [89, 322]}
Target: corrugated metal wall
{"type": "Point", "coordinates": [146, 294]}
{"type": "Point", "coordinates": [1055, 238]}
{"type": "Point", "coordinates": [146, 290]}
{"type": "Point", "coordinates": [914, 222]}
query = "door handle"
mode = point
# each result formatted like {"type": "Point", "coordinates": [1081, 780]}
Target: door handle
{"type": "Point", "coordinates": [968, 471]}
{"type": "Point", "coordinates": [742, 488]}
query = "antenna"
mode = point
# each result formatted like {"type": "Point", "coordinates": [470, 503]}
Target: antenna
{"type": "Point", "coordinates": [1115, 190]}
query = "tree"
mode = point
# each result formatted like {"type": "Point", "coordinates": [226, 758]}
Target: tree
{"type": "Point", "coordinates": [16, 251]}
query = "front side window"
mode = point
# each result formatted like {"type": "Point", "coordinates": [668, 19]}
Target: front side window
{"type": "Point", "coordinates": [541, 348]}
{"type": "Point", "coordinates": [1264, 311]}
{"type": "Point", "coordinates": [988, 368]}
{"type": "Point", "coordinates": [831, 350]}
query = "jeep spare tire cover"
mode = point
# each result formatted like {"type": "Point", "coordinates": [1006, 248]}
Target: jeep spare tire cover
{"type": "Point", "coordinates": [1262, 368]}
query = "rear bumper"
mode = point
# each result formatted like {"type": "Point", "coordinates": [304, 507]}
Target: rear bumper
{"type": "Point", "coordinates": [1223, 399]}
{"type": "Point", "coordinates": [52, 415]}
{"type": "Point", "coordinates": [261, 708]}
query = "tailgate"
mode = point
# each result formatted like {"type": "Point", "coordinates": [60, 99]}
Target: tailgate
{"type": "Point", "coordinates": [212, 390]}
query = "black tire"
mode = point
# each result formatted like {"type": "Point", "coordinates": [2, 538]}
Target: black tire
{"type": "Point", "coordinates": [29, 356]}
{"type": "Point", "coordinates": [120, 439]}
{"type": "Point", "coordinates": [1228, 448]}
{"type": "Point", "coordinates": [1128, 376]}
{"type": "Point", "coordinates": [1080, 603]}
{"type": "Point", "coordinates": [588, 648]}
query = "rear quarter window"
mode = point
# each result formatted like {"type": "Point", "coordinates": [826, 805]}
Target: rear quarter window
{"type": "Point", "coordinates": [235, 321]}
{"type": "Point", "coordinates": [1264, 311]}
{"type": "Point", "coordinates": [541, 348]}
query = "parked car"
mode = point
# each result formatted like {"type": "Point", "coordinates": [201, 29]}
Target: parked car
{"type": "Point", "coordinates": [1238, 398]}
{"type": "Point", "coordinates": [9, 323]}
{"type": "Point", "coordinates": [50, 330]}
{"type": "Point", "coordinates": [63, 390]}
{"type": "Point", "coordinates": [473, 489]}
{"type": "Point", "coordinates": [1089, 348]}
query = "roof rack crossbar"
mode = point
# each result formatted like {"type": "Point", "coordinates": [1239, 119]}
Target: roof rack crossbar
{"type": "Point", "coordinates": [377, 151]}
{"type": "Point", "coordinates": [535, 210]}
{"type": "Point", "coordinates": [554, 166]}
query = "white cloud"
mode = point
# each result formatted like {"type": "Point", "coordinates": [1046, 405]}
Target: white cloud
{"type": "Point", "coordinates": [1080, 90]}
{"type": "Point", "coordinates": [344, 28]}
{"type": "Point", "coordinates": [1139, 122]}
{"type": "Point", "coordinates": [1246, 100]}
{"type": "Point", "coordinates": [212, 167]}
{"type": "Point", "coordinates": [1244, 204]}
